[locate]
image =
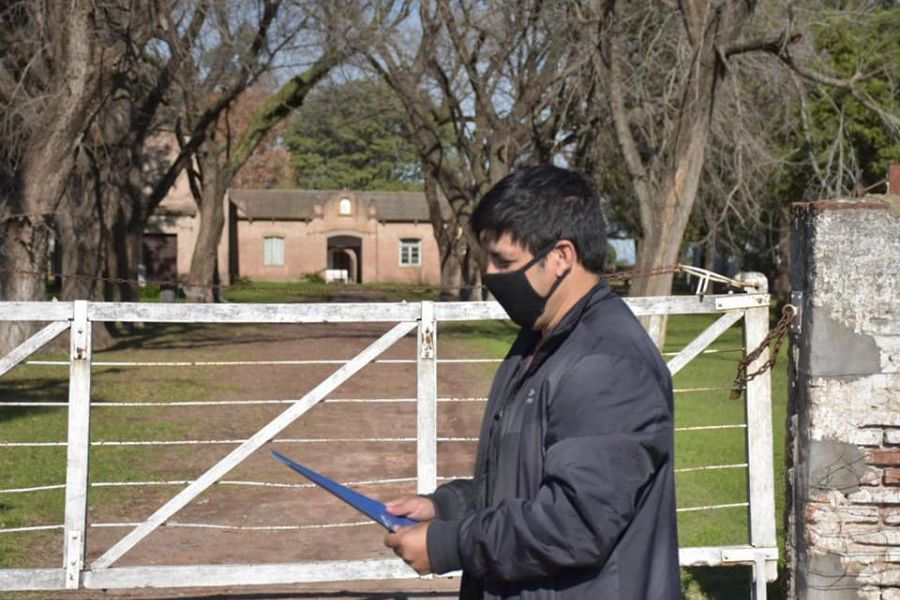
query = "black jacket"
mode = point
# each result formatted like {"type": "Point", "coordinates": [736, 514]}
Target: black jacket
{"type": "Point", "coordinates": [574, 489]}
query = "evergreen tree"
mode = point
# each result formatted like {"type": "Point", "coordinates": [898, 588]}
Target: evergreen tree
{"type": "Point", "coordinates": [348, 136]}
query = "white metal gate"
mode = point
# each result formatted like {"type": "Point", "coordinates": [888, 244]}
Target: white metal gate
{"type": "Point", "coordinates": [761, 552]}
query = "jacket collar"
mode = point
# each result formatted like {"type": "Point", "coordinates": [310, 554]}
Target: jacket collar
{"type": "Point", "coordinates": [527, 339]}
{"type": "Point", "coordinates": [573, 316]}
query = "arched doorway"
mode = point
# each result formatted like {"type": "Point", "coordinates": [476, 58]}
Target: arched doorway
{"type": "Point", "coordinates": [345, 253]}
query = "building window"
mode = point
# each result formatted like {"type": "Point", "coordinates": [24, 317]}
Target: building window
{"type": "Point", "coordinates": [410, 253]}
{"type": "Point", "coordinates": [274, 252]}
{"type": "Point", "coordinates": [345, 207]}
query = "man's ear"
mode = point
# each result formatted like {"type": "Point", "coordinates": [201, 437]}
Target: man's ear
{"type": "Point", "coordinates": [567, 257]}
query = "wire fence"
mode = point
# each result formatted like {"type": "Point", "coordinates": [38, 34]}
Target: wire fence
{"type": "Point", "coordinates": [461, 440]}
{"type": "Point", "coordinates": [325, 440]}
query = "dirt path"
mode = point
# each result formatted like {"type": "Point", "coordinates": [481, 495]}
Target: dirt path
{"type": "Point", "coordinates": [344, 460]}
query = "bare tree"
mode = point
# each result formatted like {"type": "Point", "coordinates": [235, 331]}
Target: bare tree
{"type": "Point", "coordinates": [483, 84]}
{"type": "Point", "coordinates": [745, 156]}
{"type": "Point", "coordinates": [55, 56]}
{"type": "Point", "coordinates": [662, 78]}
{"type": "Point", "coordinates": [224, 148]}
{"type": "Point", "coordinates": [225, 61]}
{"type": "Point", "coordinates": [100, 222]}
{"type": "Point", "coordinates": [662, 119]}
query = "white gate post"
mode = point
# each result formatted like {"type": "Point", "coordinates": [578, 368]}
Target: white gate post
{"type": "Point", "coordinates": [760, 478]}
{"type": "Point", "coordinates": [426, 434]}
{"type": "Point", "coordinates": [78, 445]}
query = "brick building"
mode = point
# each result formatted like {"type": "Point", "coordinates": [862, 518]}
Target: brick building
{"type": "Point", "coordinates": [288, 234]}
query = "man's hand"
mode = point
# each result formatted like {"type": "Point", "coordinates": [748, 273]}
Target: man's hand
{"type": "Point", "coordinates": [410, 544]}
{"type": "Point", "coordinates": [413, 507]}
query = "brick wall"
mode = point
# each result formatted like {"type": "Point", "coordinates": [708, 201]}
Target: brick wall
{"type": "Point", "coordinates": [843, 529]}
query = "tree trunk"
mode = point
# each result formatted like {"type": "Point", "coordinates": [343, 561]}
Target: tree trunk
{"type": "Point", "coordinates": [445, 231]}
{"type": "Point", "coordinates": [709, 249]}
{"type": "Point", "coordinates": [211, 206]}
{"type": "Point", "coordinates": [82, 245]}
{"type": "Point", "coordinates": [471, 275]}
{"type": "Point", "coordinates": [783, 266]}
{"type": "Point", "coordinates": [662, 239]}
{"type": "Point", "coordinates": [123, 256]}
{"type": "Point", "coordinates": [451, 275]}
{"type": "Point", "coordinates": [79, 225]}
{"type": "Point", "coordinates": [24, 248]}
{"type": "Point", "coordinates": [46, 162]}
{"type": "Point", "coordinates": [26, 235]}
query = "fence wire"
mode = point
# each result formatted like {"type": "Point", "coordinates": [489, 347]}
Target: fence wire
{"type": "Point", "coordinates": [742, 378]}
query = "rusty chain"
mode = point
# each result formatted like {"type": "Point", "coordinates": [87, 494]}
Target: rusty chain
{"type": "Point", "coordinates": [778, 334]}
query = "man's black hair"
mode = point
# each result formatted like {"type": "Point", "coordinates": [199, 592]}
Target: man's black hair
{"type": "Point", "coordinates": [540, 205]}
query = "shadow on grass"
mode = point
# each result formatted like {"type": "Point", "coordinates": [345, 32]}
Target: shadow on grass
{"type": "Point", "coordinates": [184, 336]}
{"type": "Point", "coordinates": [274, 292]}
{"type": "Point", "coordinates": [482, 329]}
{"type": "Point", "coordinates": [726, 583]}
{"type": "Point", "coordinates": [31, 390]}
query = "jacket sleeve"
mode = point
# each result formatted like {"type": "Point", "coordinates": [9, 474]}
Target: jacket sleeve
{"type": "Point", "coordinates": [609, 431]}
{"type": "Point", "coordinates": [454, 499]}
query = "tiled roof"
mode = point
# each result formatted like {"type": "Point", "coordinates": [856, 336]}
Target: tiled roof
{"type": "Point", "coordinates": [299, 204]}
{"type": "Point", "coordinates": [397, 206]}
{"type": "Point", "coordinates": [277, 204]}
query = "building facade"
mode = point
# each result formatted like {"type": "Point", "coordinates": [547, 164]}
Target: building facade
{"type": "Point", "coordinates": [350, 236]}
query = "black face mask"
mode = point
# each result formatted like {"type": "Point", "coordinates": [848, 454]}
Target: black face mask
{"type": "Point", "coordinates": [515, 294]}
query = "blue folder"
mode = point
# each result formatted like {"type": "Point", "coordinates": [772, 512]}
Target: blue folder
{"type": "Point", "coordinates": [373, 509]}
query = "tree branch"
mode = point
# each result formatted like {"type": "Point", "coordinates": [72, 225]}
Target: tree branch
{"type": "Point", "coordinates": [289, 97]}
{"type": "Point", "coordinates": [775, 45]}
{"type": "Point", "coordinates": [610, 70]}
{"type": "Point", "coordinates": [845, 84]}
{"type": "Point", "coordinates": [693, 15]}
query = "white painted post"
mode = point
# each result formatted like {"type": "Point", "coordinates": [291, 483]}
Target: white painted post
{"type": "Point", "coordinates": [78, 445]}
{"type": "Point", "coordinates": [426, 445]}
{"type": "Point", "coordinates": [760, 475]}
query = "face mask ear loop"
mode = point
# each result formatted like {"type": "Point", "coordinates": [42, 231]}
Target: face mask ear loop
{"type": "Point", "coordinates": [556, 283]}
{"type": "Point", "coordinates": [559, 279]}
{"type": "Point", "coordinates": [538, 257]}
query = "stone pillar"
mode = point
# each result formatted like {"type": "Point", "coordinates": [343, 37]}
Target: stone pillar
{"type": "Point", "coordinates": [843, 529]}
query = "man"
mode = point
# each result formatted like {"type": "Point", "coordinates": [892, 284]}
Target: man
{"type": "Point", "coordinates": [573, 494]}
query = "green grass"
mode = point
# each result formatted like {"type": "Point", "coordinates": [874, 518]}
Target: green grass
{"type": "Point", "coordinates": [315, 291]}
{"type": "Point", "coordinates": [28, 466]}
{"type": "Point", "coordinates": [21, 467]}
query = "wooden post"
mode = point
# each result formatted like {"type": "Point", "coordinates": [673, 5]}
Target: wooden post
{"type": "Point", "coordinates": [78, 445]}
{"type": "Point", "coordinates": [760, 477]}
{"type": "Point", "coordinates": [426, 445]}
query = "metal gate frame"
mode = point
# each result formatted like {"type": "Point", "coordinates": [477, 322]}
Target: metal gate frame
{"type": "Point", "coordinates": [761, 553]}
